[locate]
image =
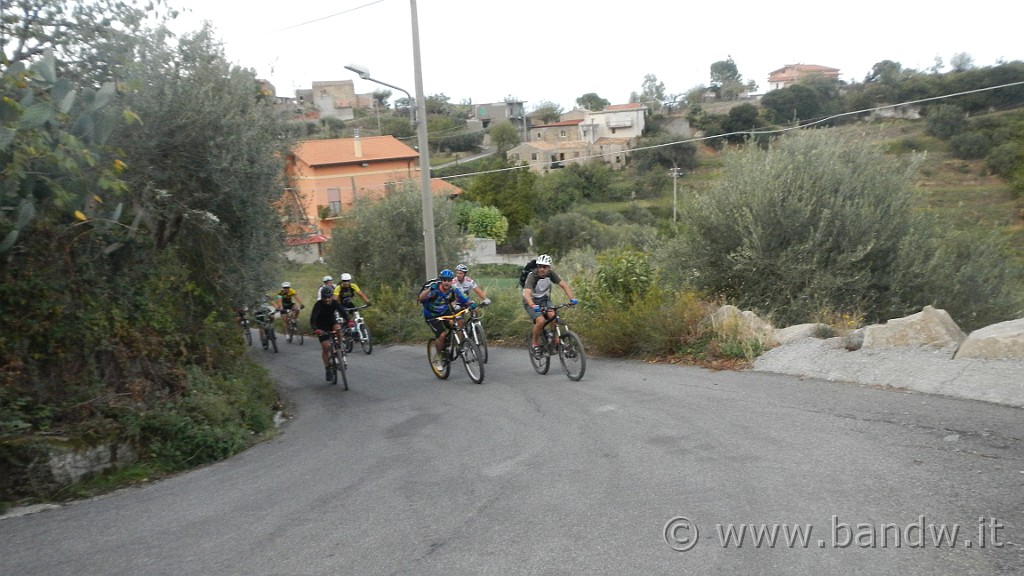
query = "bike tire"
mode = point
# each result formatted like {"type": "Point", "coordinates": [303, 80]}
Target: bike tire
{"type": "Point", "coordinates": [273, 338]}
{"type": "Point", "coordinates": [441, 373]}
{"type": "Point", "coordinates": [290, 332]}
{"type": "Point", "coordinates": [343, 369]}
{"type": "Point", "coordinates": [572, 356]}
{"type": "Point", "coordinates": [364, 339]}
{"type": "Point", "coordinates": [248, 334]}
{"type": "Point", "coordinates": [348, 342]}
{"type": "Point", "coordinates": [334, 370]}
{"type": "Point", "coordinates": [480, 339]}
{"type": "Point", "coordinates": [302, 339]}
{"type": "Point", "coordinates": [473, 362]}
{"type": "Point", "coordinates": [542, 364]}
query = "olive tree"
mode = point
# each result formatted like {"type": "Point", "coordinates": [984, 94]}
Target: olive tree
{"type": "Point", "coordinates": [820, 223]}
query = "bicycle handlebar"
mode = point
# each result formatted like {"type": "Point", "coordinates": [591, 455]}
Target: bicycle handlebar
{"type": "Point", "coordinates": [452, 316]}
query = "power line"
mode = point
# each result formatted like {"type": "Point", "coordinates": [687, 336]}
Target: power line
{"type": "Point", "coordinates": [745, 132]}
{"type": "Point", "coordinates": [329, 16]}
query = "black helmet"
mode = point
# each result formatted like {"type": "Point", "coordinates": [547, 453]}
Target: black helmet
{"type": "Point", "coordinates": [326, 292]}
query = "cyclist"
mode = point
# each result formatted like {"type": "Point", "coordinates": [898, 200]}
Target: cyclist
{"type": "Point", "coordinates": [326, 317]}
{"type": "Point", "coordinates": [286, 299]}
{"type": "Point", "coordinates": [465, 283]}
{"type": "Point", "coordinates": [440, 299]}
{"type": "Point", "coordinates": [263, 311]}
{"type": "Point", "coordinates": [537, 297]}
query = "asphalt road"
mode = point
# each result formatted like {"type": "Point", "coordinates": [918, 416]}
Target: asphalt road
{"type": "Point", "coordinates": [409, 475]}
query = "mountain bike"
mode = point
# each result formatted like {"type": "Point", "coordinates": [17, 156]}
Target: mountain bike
{"type": "Point", "coordinates": [265, 322]}
{"type": "Point", "coordinates": [457, 343]}
{"type": "Point", "coordinates": [570, 347]}
{"type": "Point", "coordinates": [243, 321]}
{"type": "Point", "coordinates": [475, 329]}
{"type": "Point", "coordinates": [292, 322]}
{"type": "Point", "coordinates": [357, 331]}
{"type": "Point", "coordinates": [337, 361]}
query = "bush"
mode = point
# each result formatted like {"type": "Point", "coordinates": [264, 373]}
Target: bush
{"type": "Point", "coordinates": [970, 145]}
{"type": "Point", "coordinates": [811, 223]}
{"type": "Point", "coordinates": [393, 253]}
{"type": "Point", "coordinates": [945, 121]}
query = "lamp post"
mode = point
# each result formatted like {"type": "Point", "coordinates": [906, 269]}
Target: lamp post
{"type": "Point", "coordinates": [364, 73]}
{"type": "Point", "coordinates": [429, 245]}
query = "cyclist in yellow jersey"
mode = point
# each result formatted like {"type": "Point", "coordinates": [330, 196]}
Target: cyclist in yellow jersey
{"type": "Point", "coordinates": [287, 299]}
{"type": "Point", "coordinates": [345, 290]}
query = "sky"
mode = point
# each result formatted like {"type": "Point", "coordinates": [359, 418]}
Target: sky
{"type": "Point", "coordinates": [557, 50]}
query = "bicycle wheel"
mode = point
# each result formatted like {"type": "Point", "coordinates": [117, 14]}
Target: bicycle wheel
{"type": "Point", "coordinates": [348, 341]}
{"type": "Point", "coordinates": [333, 367]}
{"type": "Point", "coordinates": [248, 333]}
{"type": "Point", "coordinates": [474, 364]}
{"type": "Point", "coordinates": [343, 370]}
{"type": "Point", "coordinates": [364, 339]}
{"type": "Point", "coordinates": [438, 364]}
{"type": "Point", "coordinates": [480, 339]}
{"type": "Point", "coordinates": [302, 338]}
{"type": "Point", "coordinates": [291, 330]}
{"type": "Point", "coordinates": [574, 359]}
{"type": "Point", "coordinates": [541, 361]}
{"type": "Point", "coordinates": [272, 337]}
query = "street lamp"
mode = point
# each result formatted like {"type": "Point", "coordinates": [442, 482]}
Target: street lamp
{"type": "Point", "coordinates": [364, 73]}
{"type": "Point", "coordinates": [429, 245]}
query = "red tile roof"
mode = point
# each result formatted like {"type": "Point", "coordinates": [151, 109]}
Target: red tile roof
{"type": "Point", "coordinates": [343, 150]}
{"type": "Point", "coordinates": [630, 106]}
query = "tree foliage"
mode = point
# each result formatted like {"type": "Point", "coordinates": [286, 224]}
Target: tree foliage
{"type": "Point", "coordinates": [142, 211]}
{"type": "Point", "coordinates": [591, 101]}
{"type": "Point", "coordinates": [817, 224]}
{"type": "Point", "coordinates": [547, 111]}
{"type": "Point", "coordinates": [393, 253]}
{"type": "Point", "coordinates": [652, 93]}
{"type": "Point", "coordinates": [504, 136]}
{"type": "Point", "coordinates": [510, 191]}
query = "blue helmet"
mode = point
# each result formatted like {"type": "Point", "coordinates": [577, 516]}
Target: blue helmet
{"type": "Point", "coordinates": [326, 292]}
{"type": "Point", "coordinates": [446, 274]}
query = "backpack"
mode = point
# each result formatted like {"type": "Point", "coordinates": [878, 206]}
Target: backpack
{"type": "Point", "coordinates": [426, 285]}
{"type": "Point", "coordinates": [530, 266]}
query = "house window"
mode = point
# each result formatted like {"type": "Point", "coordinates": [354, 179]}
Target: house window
{"type": "Point", "coordinates": [618, 159]}
{"type": "Point", "coordinates": [575, 154]}
{"type": "Point", "coordinates": [334, 202]}
{"type": "Point", "coordinates": [613, 130]}
{"type": "Point", "coordinates": [516, 156]}
{"type": "Point", "coordinates": [562, 134]}
{"type": "Point", "coordinates": [538, 136]}
{"type": "Point", "coordinates": [533, 156]}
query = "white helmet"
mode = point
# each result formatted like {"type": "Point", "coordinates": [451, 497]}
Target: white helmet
{"type": "Point", "coordinates": [328, 278]}
{"type": "Point", "coordinates": [346, 277]}
{"type": "Point", "coordinates": [543, 260]}
{"type": "Point", "coordinates": [286, 284]}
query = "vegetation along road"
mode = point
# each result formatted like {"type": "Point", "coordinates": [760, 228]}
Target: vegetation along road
{"type": "Point", "coordinates": [637, 469]}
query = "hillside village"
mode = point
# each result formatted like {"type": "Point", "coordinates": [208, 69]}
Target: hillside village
{"type": "Point", "coordinates": [330, 176]}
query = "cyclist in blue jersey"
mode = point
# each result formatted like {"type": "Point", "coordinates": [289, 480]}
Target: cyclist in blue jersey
{"type": "Point", "coordinates": [440, 299]}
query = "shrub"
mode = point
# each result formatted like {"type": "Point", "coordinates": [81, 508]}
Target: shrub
{"type": "Point", "coordinates": [970, 145]}
{"type": "Point", "coordinates": [813, 222]}
{"type": "Point", "coordinates": [945, 121]}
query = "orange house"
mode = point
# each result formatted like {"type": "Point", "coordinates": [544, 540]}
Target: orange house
{"type": "Point", "coordinates": [329, 178]}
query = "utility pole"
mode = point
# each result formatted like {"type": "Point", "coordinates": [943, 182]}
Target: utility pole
{"type": "Point", "coordinates": [429, 247]}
